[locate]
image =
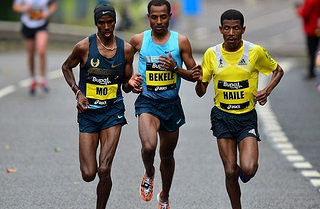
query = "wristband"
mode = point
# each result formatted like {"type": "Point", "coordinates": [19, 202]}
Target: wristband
{"type": "Point", "coordinates": [77, 93]}
{"type": "Point", "coordinates": [73, 85]}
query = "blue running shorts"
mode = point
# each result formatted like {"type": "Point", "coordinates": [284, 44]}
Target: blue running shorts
{"type": "Point", "coordinates": [95, 120]}
{"type": "Point", "coordinates": [236, 126]}
{"type": "Point", "coordinates": [169, 112]}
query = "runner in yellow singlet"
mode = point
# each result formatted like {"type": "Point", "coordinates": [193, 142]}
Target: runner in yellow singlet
{"type": "Point", "coordinates": [234, 66]}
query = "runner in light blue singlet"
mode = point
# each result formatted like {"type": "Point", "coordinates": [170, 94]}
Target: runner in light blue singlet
{"type": "Point", "coordinates": [150, 53]}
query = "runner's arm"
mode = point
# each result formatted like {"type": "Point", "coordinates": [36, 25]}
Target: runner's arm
{"type": "Point", "coordinates": [193, 70]}
{"type": "Point", "coordinates": [78, 56]}
{"type": "Point", "coordinates": [130, 81]}
{"type": "Point", "coordinates": [261, 96]}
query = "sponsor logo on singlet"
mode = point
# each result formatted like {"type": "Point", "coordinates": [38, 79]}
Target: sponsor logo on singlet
{"type": "Point", "coordinates": [233, 91]}
{"type": "Point", "coordinates": [158, 78]}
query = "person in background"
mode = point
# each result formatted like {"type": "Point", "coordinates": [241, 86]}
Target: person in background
{"type": "Point", "coordinates": [309, 11]}
{"type": "Point", "coordinates": [234, 66]}
{"type": "Point", "coordinates": [318, 65]}
{"type": "Point", "coordinates": [35, 20]}
{"type": "Point", "coordinates": [105, 62]}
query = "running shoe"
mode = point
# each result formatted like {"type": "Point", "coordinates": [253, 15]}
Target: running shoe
{"type": "Point", "coordinates": [44, 86]}
{"type": "Point", "coordinates": [33, 86]}
{"type": "Point", "coordinates": [146, 188]}
{"type": "Point", "coordinates": [244, 178]}
{"type": "Point", "coordinates": [162, 205]}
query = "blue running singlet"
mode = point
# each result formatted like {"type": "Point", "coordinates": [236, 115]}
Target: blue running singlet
{"type": "Point", "coordinates": [159, 83]}
{"type": "Point", "coordinates": [101, 77]}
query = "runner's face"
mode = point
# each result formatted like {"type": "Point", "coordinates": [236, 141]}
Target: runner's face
{"type": "Point", "coordinates": [232, 34]}
{"type": "Point", "coordinates": [106, 25]}
{"type": "Point", "coordinates": [159, 19]}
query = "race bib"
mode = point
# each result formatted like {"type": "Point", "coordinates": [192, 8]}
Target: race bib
{"type": "Point", "coordinates": [35, 15]}
{"type": "Point", "coordinates": [158, 78]}
{"type": "Point", "coordinates": [101, 95]}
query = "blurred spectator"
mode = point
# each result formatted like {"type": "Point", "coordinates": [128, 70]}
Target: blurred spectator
{"type": "Point", "coordinates": [309, 11]}
{"type": "Point", "coordinates": [35, 19]}
{"type": "Point", "coordinates": [125, 21]}
{"type": "Point", "coordinates": [318, 65]}
{"type": "Point", "coordinates": [175, 10]}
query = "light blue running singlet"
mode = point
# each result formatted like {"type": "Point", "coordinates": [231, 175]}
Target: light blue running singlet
{"type": "Point", "coordinates": [159, 83]}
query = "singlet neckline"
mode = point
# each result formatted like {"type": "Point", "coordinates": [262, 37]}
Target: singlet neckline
{"type": "Point", "coordinates": [96, 43]}
{"type": "Point", "coordinates": [170, 34]}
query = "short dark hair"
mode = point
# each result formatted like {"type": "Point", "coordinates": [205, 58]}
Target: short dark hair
{"type": "Point", "coordinates": [232, 14]}
{"type": "Point", "coordinates": [159, 3]}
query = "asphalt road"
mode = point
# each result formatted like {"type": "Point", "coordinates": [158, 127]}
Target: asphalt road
{"type": "Point", "coordinates": [39, 134]}
{"type": "Point", "coordinates": [39, 138]}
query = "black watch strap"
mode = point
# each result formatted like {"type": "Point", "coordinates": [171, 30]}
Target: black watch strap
{"type": "Point", "coordinates": [175, 69]}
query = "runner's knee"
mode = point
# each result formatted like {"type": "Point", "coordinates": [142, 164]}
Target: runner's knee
{"type": "Point", "coordinates": [148, 148]}
{"type": "Point", "coordinates": [166, 159]}
{"type": "Point", "coordinates": [249, 170]}
{"type": "Point", "coordinates": [231, 171]}
{"type": "Point", "coordinates": [104, 172]}
{"type": "Point", "coordinates": [88, 175]}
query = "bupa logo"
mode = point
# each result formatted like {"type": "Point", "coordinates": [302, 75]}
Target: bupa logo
{"type": "Point", "coordinates": [94, 63]}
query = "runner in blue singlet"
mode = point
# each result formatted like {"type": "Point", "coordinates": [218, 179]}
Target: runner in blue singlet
{"type": "Point", "coordinates": [158, 107]}
{"type": "Point", "coordinates": [105, 67]}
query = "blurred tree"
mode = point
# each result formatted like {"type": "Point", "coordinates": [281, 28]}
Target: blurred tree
{"type": "Point", "coordinates": [7, 12]}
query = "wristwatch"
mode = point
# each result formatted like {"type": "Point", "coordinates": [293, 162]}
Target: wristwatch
{"type": "Point", "coordinates": [175, 68]}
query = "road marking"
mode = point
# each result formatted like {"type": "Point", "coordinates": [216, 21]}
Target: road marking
{"type": "Point", "coordinates": [315, 182]}
{"type": "Point", "coordinates": [289, 152]}
{"type": "Point", "coordinates": [55, 74]}
{"type": "Point", "coordinates": [295, 158]}
{"type": "Point", "coordinates": [287, 145]}
{"type": "Point", "coordinates": [302, 165]}
{"type": "Point", "coordinates": [278, 138]}
{"type": "Point", "coordinates": [26, 82]}
{"type": "Point", "coordinates": [310, 173]}
{"type": "Point", "coordinates": [7, 90]}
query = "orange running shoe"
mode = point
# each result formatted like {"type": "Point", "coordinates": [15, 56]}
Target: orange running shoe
{"type": "Point", "coordinates": [146, 188]}
{"type": "Point", "coordinates": [162, 205]}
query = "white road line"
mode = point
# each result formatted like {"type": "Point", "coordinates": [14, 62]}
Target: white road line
{"type": "Point", "coordinates": [289, 152]}
{"type": "Point", "coordinates": [7, 90]}
{"type": "Point", "coordinates": [310, 173]}
{"type": "Point", "coordinates": [55, 74]}
{"type": "Point", "coordinates": [26, 82]}
{"type": "Point", "coordinates": [295, 158]}
{"type": "Point", "coordinates": [303, 165]}
{"type": "Point", "coordinates": [287, 145]}
{"type": "Point", "coordinates": [315, 182]}
{"type": "Point", "coordinates": [279, 139]}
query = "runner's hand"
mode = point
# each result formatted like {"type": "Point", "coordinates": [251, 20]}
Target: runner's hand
{"type": "Point", "coordinates": [136, 81]}
{"type": "Point", "coordinates": [167, 63]}
{"type": "Point", "coordinates": [82, 103]}
{"type": "Point", "coordinates": [197, 73]}
{"type": "Point", "coordinates": [261, 97]}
